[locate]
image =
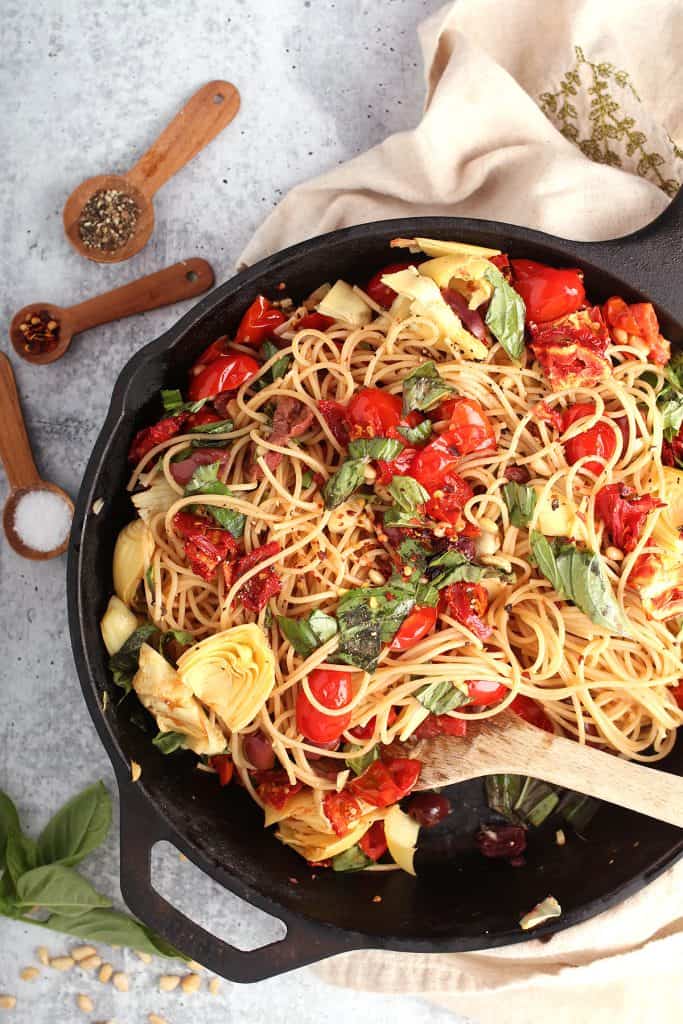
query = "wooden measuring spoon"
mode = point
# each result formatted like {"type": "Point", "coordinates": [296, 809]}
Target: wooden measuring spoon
{"type": "Point", "coordinates": [17, 458]}
{"type": "Point", "coordinates": [201, 119]}
{"type": "Point", "coordinates": [506, 743]}
{"type": "Point", "coordinates": [173, 284]}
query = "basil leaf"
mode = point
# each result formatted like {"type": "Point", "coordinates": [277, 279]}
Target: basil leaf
{"type": "Point", "coordinates": [218, 427]}
{"type": "Point", "coordinates": [412, 553]}
{"type": "Point", "coordinates": [544, 558]}
{"type": "Point", "coordinates": [307, 635]}
{"type": "Point", "coordinates": [344, 482]}
{"type": "Point", "coordinates": [181, 636]}
{"type": "Point", "coordinates": [394, 517]}
{"type": "Point", "coordinates": [205, 480]}
{"type": "Point", "coordinates": [280, 366]}
{"type": "Point", "coordinates": [9, 822]}
{"type": "Point", "coordinates": [408, 494]}
{"type": "Point", "coordinates": [426, 594]}
{"type": "Point", "coordinates": [352, 859]}
{"type": "Point", "coordinates": [111, 928]}
{"type": "Point", "coordinates": [521, 502]}
{"type": "Point", "coordinates": [124, 664]}
{"type": "Point", "coordinates": [502, 793]}
{"type": "Point", "coordinates": [173, 402]}
{"type": "Point", "coordinates": [441, 697]}
{"type": "Point", "coordinates": [416, 435]}
{"type": "Point", "coordinates": [369, 617]}
{"type": "Point", "coordinates": [359, 764]}
{"type": "Point", "coordinates": [423, 388]}
{"type": "Point", "coordinates": [169, 742]}
{"type": "Point", "coordinates": [58, 888]}
{"type": "Point", "coordinates": [578, 810]}
{"type": "Point", "coordinates": [506, 313]}
{"type": "Point", "coordinates": [671, 410]}
{"type": "Point", "coordinates": [385, 448]}
{"type": "Point", "coordinates": [536, 801]}
{"type": "Point", "coordinates": [228, 519]}
{"type": "Point", "coordinates": [21, 855]}
{"type": "Point", "coordinates": [307, 479]}
{"type": "Point", "coordinates": [77, 829]}
{"type": "Point", "coordinates": [8, 905]}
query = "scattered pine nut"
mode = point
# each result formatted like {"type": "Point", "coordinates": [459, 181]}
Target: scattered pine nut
{"type": "Point", "coordinates": [560, 837]}
{"type": "Point", "coordinates": [43, 955]}
{"type": "Point", "coordinates": [190, 983]}
{"type": "Point", "coordinates": [29, 974]}
{"type": "Point", "coordinates": [167, 982]}
{"type": "Point", "coordinates": [135, 771]}
{"type": "Point", "coordinates": [83, 952]}
{"type": "Point", "coordinates": [90, 963]}
{"type": "Point", "coordinates": [84, 1003]}
{"type": "Point", "coordinates": [214, 985]}
{"type": "Point", "coordinates": [145, 957]}
{"type": "Point", "coordinates": [120, 981]}
{"type": "Point", "coordinates": [154, 1018]}
{"type": "Point", "coordinates": [194, 966]}
{"type": "Point", "coordinates": [106, 971]}
{"type": "Point", "coordinates": [62, 963]}
{"type": "Point", "coordinates": [8, 1002]}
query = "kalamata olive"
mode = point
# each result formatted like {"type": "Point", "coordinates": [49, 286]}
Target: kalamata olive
{"type": "Point", "coordinates": [507, 841]}
{"type": "Point", "coordinates": [259, 751]}
{"type": "Point", "coordinates": [471, 318]}
{"type": "Point", "coordinates": [428, 809]}
{"type": "Point", "coordinates": [518, 474]}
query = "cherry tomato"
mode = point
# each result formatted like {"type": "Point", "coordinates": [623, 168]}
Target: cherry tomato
{"type": "Point", "coordinates": [467, 604]}
{"type": "Point", "coordinates": [447, 503]}
{"type": "Point", "coordinates": [197, 419]}
{"type": "Point", "coordinates": [215, 349]}
{"type": "Point", "coordinates": [222, 763]}
{"type": "Point", "coordinates": [548, 292]}
{"type": "Point", "coordinates": [503, 263]}
{"type": "Point", "coordinates": [314, 322]}
{"type": "Point", "coordinates": [337, 419]}
{"type": "Point", "coordinates": [342, 811]}
{"type": "Point", "coordinates": [483, 692]}
{"type": "Point", "coordinates": [470, 429]}
{"type": "Point", "coordinates": [640, 321]}
{"type": "Point", "coordinates": [624, 513]}
{"type": "Point", "coordinates": [400, 466]}
{"type": "Point", "coordinates": [440, 725]}
{"type": "Point", "coordinates": [386, 782]}
{"type": "Point", "coordinates": [380, 293]}
{"type": "Point", "coordinates": [333, 690]}
{"type": "Point", "coordinates": [364, 732]}
{"type": "Point", "coordinates": [435, 464]}
{"type": "Point", "coordinates": [414, 627]}
{"type": "Point", "coordinates": [375, 409]}
{"type": "Point", "coordinates": [597, 440]}
{"type": "Point", "coordinates": [225, 373]}
{"type": "Point", "coordinates": [374, 842]}
{"type": "Point", "coordinates": [274, 788]}
{"type": "Point", "coordinates": [531, 711]}
{"type": "Point", "coordinates": [259, 322]}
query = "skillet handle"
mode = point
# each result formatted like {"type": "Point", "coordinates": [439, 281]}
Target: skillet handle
{"type": "Point", "coordinates": [305, 942]}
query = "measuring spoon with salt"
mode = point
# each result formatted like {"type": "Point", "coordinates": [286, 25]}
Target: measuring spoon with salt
{"type": "Point", "coordinates": [37, 514]}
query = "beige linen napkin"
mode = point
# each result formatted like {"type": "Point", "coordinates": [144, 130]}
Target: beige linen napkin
{"type": "Point", "coordinates": [559, 115]}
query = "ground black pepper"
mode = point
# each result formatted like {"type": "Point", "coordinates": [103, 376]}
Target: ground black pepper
{"type": "Point", "coordinates": [40, 332]}
{"type": "Point", "coordinates": [108, 220]}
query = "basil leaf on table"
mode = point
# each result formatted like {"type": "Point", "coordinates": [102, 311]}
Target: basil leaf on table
{"type": "Point", "coordinates": [112, 928]}
{"type": "Point", "coordinates": [441, 697]}
{"type": "Point", "coordinates": [352, 859]}
{"type": "Point", "coordinates": [423, 388]}
{"type": "Point", "coordinates": [342, 484]}
{"type": "Point", "coordinates": [408, 494]}
{"type": "Point", "coordinates": [21, 855]}
{"type": "Point", "coordinates": [416, 435]}
{"type": "Point", "coordinates": [9, 822]}
{"type": "Point", "coordinates": [169, 742]}
{"type": "Point", "coordinates": [521, 502]}
{"type": "Point", "coordinates": [77, 829]}
{"type": "Point", "coordinates": [360, 763]}
{"type": "Point", "coordinates": [384, 448]}
{"type": "Point", "coordinates": [173, 402]}
{"type": "Point", "coordinates": [307, 635]}
{"type": "Point", "coordinates": [124, 664]}
{"type": "Point", "coordinates": [506, 313]}
{"type": "Point", "coordinates": [58, 888]}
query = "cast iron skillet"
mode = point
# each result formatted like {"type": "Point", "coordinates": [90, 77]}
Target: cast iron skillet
{"type": "Point", "coordinates": [460, 901]}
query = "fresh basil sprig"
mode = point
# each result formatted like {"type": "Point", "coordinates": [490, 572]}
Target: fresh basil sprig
{"type": "Point", "coordinates": [205, 480]}
{"type": "Point", "coordinates": [521, 502]}
{"type": "Point", "coordinates": [579, 576]}
{"type": "Point", "coordinates": [173, 402]}
{"type": "Point", "coordinates": [441, 697]}
{"type": "Point", "coordinates": [307, 635]}
{"type": "Point", "coordinates": [423, 388]}
{"type": "Point", "coordinates": [417, 435]}
{"type": "Point", "coordinates": [506, 313]}
{"type": "Point", "coordinates": [77, 829]}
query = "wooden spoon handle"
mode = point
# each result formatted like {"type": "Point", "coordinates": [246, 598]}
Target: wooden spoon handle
{"type": "Point", "coordinates": [181, 281]}
{"type": "Point", "coordinates": [15, 449]}
{"type": "Point", "coordinates": [201, 119]}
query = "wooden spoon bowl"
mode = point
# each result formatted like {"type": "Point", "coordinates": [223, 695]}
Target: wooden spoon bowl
{"type": "Point", "coordinates": [8, 519]}
{"type": "Point", "coordinates": [103, 182]}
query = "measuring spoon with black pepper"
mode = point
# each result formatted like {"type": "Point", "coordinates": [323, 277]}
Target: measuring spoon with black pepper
{"type": "Point", "coordinates": [109, 218]}
{"type": "Point", "coordinates": [41, 332]}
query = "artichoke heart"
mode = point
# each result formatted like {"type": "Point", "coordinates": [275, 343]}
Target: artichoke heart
{"type": "Point", "coordinates": [132, 554]}
{"type": "Point", "coordinates": [156, 498]}
{"type": "Point", "coordinates": [667, 530]}
{"type": "Point", "coordinates": [173, 705]}
{"type": "Point", "coordinates": [558, 517]}
{"type": "Point", "coordinates": [232, 672]}
{"type": "Point", "coordinates": [344, 304]}
{"type": "Point", "coordinates": [118, 623]}
{"type": "Point", "coordinates": [464, 273]}
{"type": "Point", "coordinates": [439, 247]}
{"type": "Point", "coordinates": [315, 845]}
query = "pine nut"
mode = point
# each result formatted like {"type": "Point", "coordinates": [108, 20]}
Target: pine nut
{"type": "Point", "coordinates": [106, 971]}
{"type": "Point", "coordinates": [84, 1003]}
{"type": "Point", "coordinates": [120, 981]}
{"type": "Point", "coordinates": [214, 985]}
{"type": "Point", "coordinates": [375, 576]}
{"type": "Point", "coordinates": [194, 966]}
{"type": "Point", "coordinates": [62, 963]}
{"type": "Point", "coordinates": [90, 963]}
{"type": "Point", "coordinates": [154, 1018]}
{"type": "Point", "coordinates": [369, 474]}
{"type": "Point", "coordinates": [616, 554]}
{"type": "Point", "coordinates": [43, 955]}
{"type": "Point", "coordinates": [8, 1002]}
{"type": "Point", "coordinates": [560, 837]}
{"type": "Point", "coordinates": [83, 952]}
{"type": "Point", "coordinates": [29, 974]}
{"type": "Point", "coordinates": [190, 983]}
{"type": "Point", "coordinates": [135, 771]}
{"type": "Point", "coordinates": [145, 957]}
{"type": "Point", "coordinates": [167, 982]}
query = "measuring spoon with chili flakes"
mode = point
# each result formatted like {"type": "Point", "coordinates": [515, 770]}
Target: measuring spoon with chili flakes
{"type": "Point", "coordinates": [111, 217]}
{"type": "Point", "coordinates": [41, 332]}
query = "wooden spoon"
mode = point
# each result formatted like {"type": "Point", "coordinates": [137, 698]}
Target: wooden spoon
{"type": "Point", "coordinates": [173, 284]}
{"type": "Point", "coordinates": [506, 743]}
{"type": "Point", "coordinates": [17, 458]}
{"type": "Point", "coordinates": [201, 119]}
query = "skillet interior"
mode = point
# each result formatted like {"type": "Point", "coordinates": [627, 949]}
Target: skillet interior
{"type": "Point", "coordinates": [460, 900]}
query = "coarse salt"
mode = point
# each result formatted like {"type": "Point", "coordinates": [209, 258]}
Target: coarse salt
{"type": "Point", "coordinates": [42, 520]}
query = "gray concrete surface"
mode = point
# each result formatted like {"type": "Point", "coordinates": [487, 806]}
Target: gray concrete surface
{"type": "Point", "coordinates": [85, 88]}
